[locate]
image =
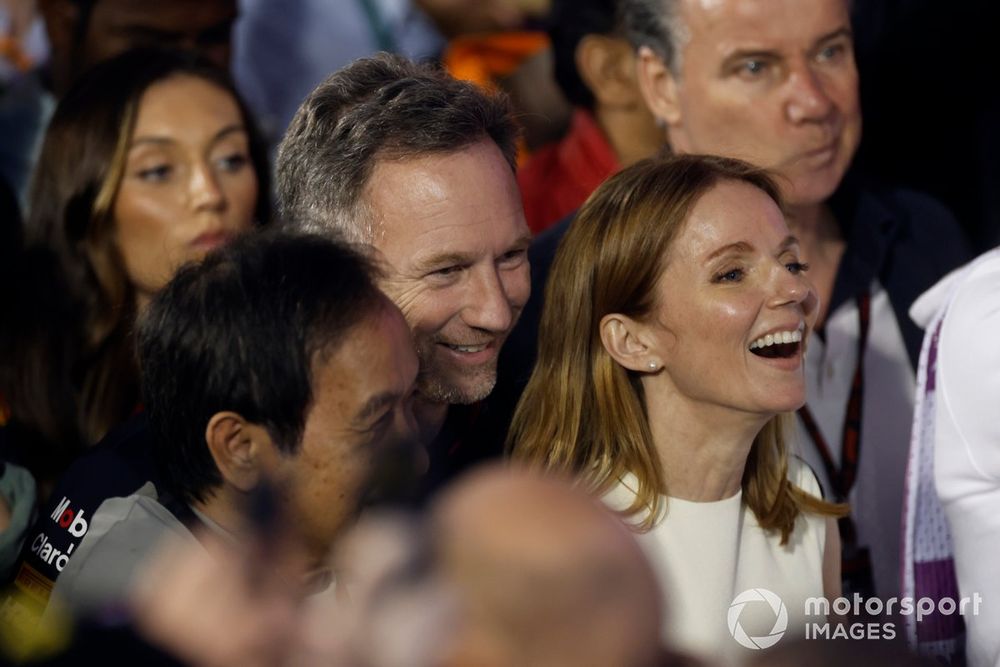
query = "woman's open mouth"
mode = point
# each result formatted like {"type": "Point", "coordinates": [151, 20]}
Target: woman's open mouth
{"type": "Point", "coordinates": [779, 345]}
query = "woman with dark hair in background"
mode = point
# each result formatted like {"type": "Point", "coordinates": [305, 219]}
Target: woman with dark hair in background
{"type": "Point", "coordinates": [671, 346]}
{"type": "Point", "coordinates": [150, 160]}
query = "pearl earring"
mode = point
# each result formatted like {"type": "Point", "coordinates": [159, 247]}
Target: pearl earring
{"type": "Point", "coordinates": [652, 365]}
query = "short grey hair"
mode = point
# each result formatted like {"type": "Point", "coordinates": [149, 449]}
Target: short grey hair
{"type": "Point", "coordinates": [656, 24]}
{"type": "Point", "coordinates": [383, 107]}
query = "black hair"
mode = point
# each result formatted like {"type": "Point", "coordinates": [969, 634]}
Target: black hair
{"type": "Point", "coordinates": [569, 22]}
{"type": "Point", "coordinates": [239, 332]}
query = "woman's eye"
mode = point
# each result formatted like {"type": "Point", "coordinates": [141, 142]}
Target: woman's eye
{"type": "Point", "coordinates": [155, 174]}
{"type": "Point", "coordinates": [797, 267]}
{"type": "Point", "coordinates": [234, 162]}
{"type": "Point", "coordinates": [730, 276]}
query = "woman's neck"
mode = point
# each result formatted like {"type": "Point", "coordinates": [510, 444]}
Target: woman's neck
{"type": "Point", "coordinates": [702, 448]}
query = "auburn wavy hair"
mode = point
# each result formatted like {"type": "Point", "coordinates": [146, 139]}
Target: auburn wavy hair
{"type": "Point", "coordinates": [584, 414]}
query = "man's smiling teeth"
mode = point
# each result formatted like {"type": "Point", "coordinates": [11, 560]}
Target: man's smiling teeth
{"type": "Point", "coordinates": [469, 349]}
{"type": "Point", "coordinates": [778, 338]}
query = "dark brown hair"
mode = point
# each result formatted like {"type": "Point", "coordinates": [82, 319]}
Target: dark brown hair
{"type": "Point", "coordinates": [74, 373]}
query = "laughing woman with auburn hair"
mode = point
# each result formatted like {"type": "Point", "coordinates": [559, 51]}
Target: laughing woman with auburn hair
{"type": "Point", "coordinates": [671, 349]}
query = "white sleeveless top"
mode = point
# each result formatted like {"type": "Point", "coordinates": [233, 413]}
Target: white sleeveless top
{"type": "Point", "coordinates": [706, 554]}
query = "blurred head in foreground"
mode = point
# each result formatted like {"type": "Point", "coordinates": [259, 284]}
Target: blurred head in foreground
{"type": "Point", "coordinates": [509, 568]}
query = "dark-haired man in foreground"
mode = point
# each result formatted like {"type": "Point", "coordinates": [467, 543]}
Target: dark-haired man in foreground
{"type": "Point", "coordinates": [277, 362]}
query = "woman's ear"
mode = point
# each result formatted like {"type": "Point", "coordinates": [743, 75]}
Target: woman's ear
{"type": "Point", "coordinates": [625, 340]}
{"type": "Point", "coordinates": [239, 448]}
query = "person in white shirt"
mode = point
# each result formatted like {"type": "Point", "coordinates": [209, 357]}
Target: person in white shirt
{"type": "Point", "coordinates": [956, 445]}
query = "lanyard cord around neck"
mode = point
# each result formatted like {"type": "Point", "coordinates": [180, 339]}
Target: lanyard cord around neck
{"type": "Point", "coordinates": [856, 564]}
{"type": "Point", "coordinates": [843, 478]}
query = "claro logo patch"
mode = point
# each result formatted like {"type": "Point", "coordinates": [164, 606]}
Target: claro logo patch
{"type": "Point", "coordinates": [69, 519]}
{"type": "Point", "coordinates": [73, 522]}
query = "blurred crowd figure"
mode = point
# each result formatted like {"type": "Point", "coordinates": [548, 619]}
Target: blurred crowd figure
{"type": "Point", "coordinates": [522, 570]}
{"type": "Point", "coordinates": [506, 568]}
{"type": "Point", "coordinates": [82, 33]}
{"type": "Point", "coordinates": [611, 126]}
{"type": "Point", "coordinates": [572, 324]}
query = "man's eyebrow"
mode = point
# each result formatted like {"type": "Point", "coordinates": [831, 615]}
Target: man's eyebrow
{"type": "Point", "coordinates": [732, 248]}
{"type": "Point", "coordinates": [522, 243]}
{"type": "Point", "coordinates": [373, 406]}
{"type": "Point", "coordinates": [764, 54]}
{"type": "Point", "coordinates": [844, 31]}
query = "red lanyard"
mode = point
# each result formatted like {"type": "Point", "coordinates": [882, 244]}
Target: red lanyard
{"type": "Point", "coordinates": [856, 566]}
{"type": "Point", "coordinates": [842, 478]}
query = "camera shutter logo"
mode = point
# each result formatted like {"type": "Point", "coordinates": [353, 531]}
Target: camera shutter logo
{"type": "Point", "coordinates": [780, 618]}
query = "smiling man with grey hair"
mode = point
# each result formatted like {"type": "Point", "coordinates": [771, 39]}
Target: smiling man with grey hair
{"type": "Point", "coordinates": [420, 167]}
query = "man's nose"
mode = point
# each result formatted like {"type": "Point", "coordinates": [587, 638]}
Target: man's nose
{"type": "Point", "coordinates": [807, 96]}
{"type": "Point", "coordinates": [487, 303]}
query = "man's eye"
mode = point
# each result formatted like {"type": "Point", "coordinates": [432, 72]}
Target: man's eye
{"type": "Point", "coordinates": [447, 271]}
{"type": "Point", "coordinates": [832, 52]}
{"type": "Point", "coordinates": [752, 69]}
{"type": "Point", "coordinates": [514, 256]}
